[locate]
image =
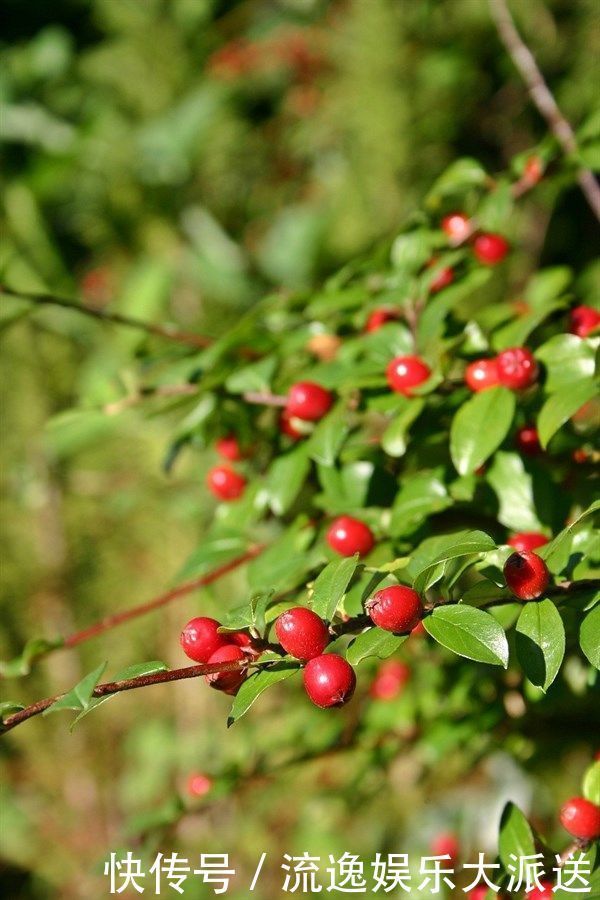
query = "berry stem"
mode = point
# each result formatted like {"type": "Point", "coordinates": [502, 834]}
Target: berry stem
{"type": "Point", "coordinates": [264, 398]}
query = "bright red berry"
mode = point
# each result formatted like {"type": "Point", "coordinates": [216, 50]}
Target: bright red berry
{"type": "Point", "coordinates": [442, 279]}
{"type": "Point", "coordinates": [225, 483]}
{"type": "Point", "coordinates": [517, 368]}
{"type": "Point", "coordinates": [406, 372]}
{"type": "Point", "coordinates": [528, 441]}
{"type": "Point", "coordinates": [198, 785]}
{"type": "Point", "coordinates": [229, 448]}
{"type": "Point", "coordinates": [329, 680]}
{"type": "Point", "coordinates": [397, 608]}
{"type": "Point", "coordinates": [543, 892]}
{"type": "Point", "coordinates": [457, 226]}
{"type": "Point", "coordinates": [482, 374]}
{"type": "Point", "coordinates": [490, 249]}
{"type": "Point", "coordinates": [446, 844]}
{"type": "Point", "coordinates": [200, 638]}
{"type": "Point", "coordinates": [348, 536]}
{"type": "Point", "coordinates": [302, 633]}
{"type": "Point", "coordinates": [380, 317]}
{"type": "Point", "coordinates": [581, 818]}
{"type": "Point", "coordinates": [583, 320]}
{"type": "Point", "coordinates": [478, 893]}
{"type": "Point", "coordinates": [228, 682]}
{"type": "Point", "coordinates": [308, 400]}
{"type": "Point", "coordinates": [527, 540]}
{"type": "Point", "coordinates": [244, 640]}
{"type": "Point", "coordinates": [526, 575]}
{"type": "Point", "coordinates": [391, 677]}
{"type": "Point", "coordinates": [286, 426]}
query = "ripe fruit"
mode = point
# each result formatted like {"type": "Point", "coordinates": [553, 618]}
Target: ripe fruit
{"type": "Point", "coordinates": [244, 640]}
{"type": "Point", "coordinates": [200, 638]}
{"type": "Point", "coordinates": [228, 682]}
{"type": "Point", "coordinates": [397, 608]}
{"type": "Point", "coordinates": [480, 892]}
{"type": "Point", "coordinates": [380, 317]}
{"type": "Point", "coordinates": [527, 440]}
{"type": "Point", "coordinates": [391, 677]}
{"type": "Point", "coordinates": [482, 374]}
{"type": "Point", "coordinates": [526, 575]}
{"type": "Point", "coordinates": [329, 680]}
{"type": "Point", "coordinates": [406, 372]}
{"type": "Point", "coordinates": [517, 368]}
{"type": "Point", "coordinates": [348, 536]}
{"type": "Point", "coordinates": [229, 448]}
{"type": "Point", "coordinates": [527, 540]}
{"type": "Point", "coordinates": [490, 249]}
{"type": "Point", "coordinates": [544, 892]}
{"type": "Point", "coordinates": [446, 844]}
{"type": "Point", "coordinates": [457, 227]}
{"type": "Point", "coordinates": [302, 633]}
{"type": "Point", "coordinates": [225, 483]}
{"type": "Point", "coordinates": [581, 818]}
{"type": "Point", "coordinates": [442, 280]}
{"type": "Point", "coordinates": [286, 426]}
{"type": "Point", "coordinates": [308, 400]}
{"type": "Point", "coordinates": [198, 785]}
{"type": "Point", "coordinates": [583, 320]}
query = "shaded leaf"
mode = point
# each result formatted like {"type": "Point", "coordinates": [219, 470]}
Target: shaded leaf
{"type": "Point", "coordinates": [285, 479]}
{"type": "Point", "coordinates": [374, 642]}
{"type": "Point", "coordinates": [329, 435]}
{"type": "Point", "coordinates": [463, 543]}
{"type": "Point", "coordinates": [394, 438]}
{"type": "Point", "coordinates": [331, 585]}
{"type": "Point", "coordinates": [470, 632]}
{"type": "Point", "coordinates": [559, 407]}
{"type": "Point", "coordinates": [589, 636]}
{"type": "Point", "coordinates": [540, 642]}
{"type": "Point", "coordinates": [256, 684]}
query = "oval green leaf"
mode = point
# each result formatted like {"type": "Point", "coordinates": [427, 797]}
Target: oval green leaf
{"type": "Point", "coordinates": [470, 632]}
{"type": "Point", "coordinates": [540, 642]}
{"type": "Point", "coordinates": [479, 427]}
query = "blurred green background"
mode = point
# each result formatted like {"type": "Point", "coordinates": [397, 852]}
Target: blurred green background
{"type": "Point", "coordinates": [175, 159]}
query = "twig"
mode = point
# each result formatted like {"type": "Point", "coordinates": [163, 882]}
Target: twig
{"type": "Point", "coordinates": [542, 97]}
{"type": "Point", "coordinates": [264, 398]}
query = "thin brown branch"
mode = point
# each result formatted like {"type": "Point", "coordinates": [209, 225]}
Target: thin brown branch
{"type": "Point", "coordinates": [542, 97]}
{"type": "Point", "coordinates": [264, 398]}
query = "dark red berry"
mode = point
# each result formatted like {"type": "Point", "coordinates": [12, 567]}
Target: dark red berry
{"type": "Point", "coordinates": [583, 320]}
{"type": "Point", "coordinates": [229, 448]}
{"type": "Point", "coordinates": [406, 372]}
{"type": "Point", "coordinates": [380, 317]}
{"type": "Point", "coordinates": [517, 368]}
{"type": "Point", "coordinates": [225, 483]}
{"type": "Point", "coordinates": [200, 638]}
{"type": "Point", "coordinates": [482, 374]}
{"type": "Point", "coordinates": [199, 784]}
{"type": "Point", "coordinates": [526, 575]}
{"type": "Point", "coordinates": [444, 278]}
{"type": "Point", "coordinates": [228, 682]}
{"type": "Point", "coordinates": [527, 440]}
{"type": "Point", "coordinates": [397, 608]}
{"type": "Point", "coordinates": [527, 540]}
{"type": "Point", "coordinates": [391, 677]}
{"type": "Point", "coordinates": [446, 844]}
{"type": "Point", "coordinates": [457, 226]}
{"type": "Point", "coordinates": [348, 536]}
{"type": "Point", "coordinates": [308, 400]}
{"type": "Point", "coordinates": [490, 249]}
{"type": "Point", "coordinates": [543, 892]}
{"type": "Point", "coordinates": [581, 818]}
{"type": "Point", "coordinates": [329, 680]}
{"type": "Point", "coordinates": [243, 640]}
{"type": "Point", "coordinates": [302, 633]}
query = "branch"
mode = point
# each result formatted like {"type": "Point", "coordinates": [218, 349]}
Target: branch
{"type": "Point", "coordinates": [542, 97]}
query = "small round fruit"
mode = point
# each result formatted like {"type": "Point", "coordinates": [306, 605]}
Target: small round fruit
{"type": "Point", "coordinates": [490, 249]}
{"type": "Point", "coordinates": [228, 682]}
{"type": "Point", "coordinates": [543, 892]}
{"type": "Point", "coordinates": [229, 448]}
{"type": "Point", "coordinates": [446, 844]}
{"type": "Point", "coordinates": [198, 784]}
{"type": "Point", "coordinates": [526, 575]}
{"type": "Point", "coordinates": [457, 227]}
{"type": "Point", "coordinates": [302, 633]}
{"type": "Point", "coordinates": [397, 608]}
{"type": "Point", "coordinates": [444, 278]}
{"type": "Point", "coordinates": [380, 317]}
{"type": "Point", "coordinates": [517, 368]}
{"type": "Point", "coordinates": [527, 540]}
{"type": "Point", "coordinates": [527, 440]}
{"type": "Point", "coordinates": [200, 638]}
{"type": "Point", "coordinates": [391, 677]}
{"type": "Point", "coordinates": [308, 400]}
{"type": "Point", "coordinates": [405, 373]}
{"type": "Point", "coordinates": [348, 536]}
{"type": "Point", "coordinates": [329, 680]}
{"type": "Point", "coordinates": [583, 320]}
{"type": "Point", "coordinates": [286, 426]}
{"type": "Point", "coordinates": [482, 374]}
{"type": "Point", "coordinates": [225, 483]}
{"type": "Point", "coordinates": [581, 818]}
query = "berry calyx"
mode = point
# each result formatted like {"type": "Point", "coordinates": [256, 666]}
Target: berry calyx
{"type": "Point", "coordinates": [391, 677]}
{"type": "Point", "coordinates": [348, 536]}
{"type": "Point", "coordinates": [457, 227]}
{"type": "Point", "coordinates": [581, 818]}
{"type": "Point", "coordinates": [308, 400]}
{"type": "Point", "coordinates": [482, 374]}
{"type": "Point", "coordinates": [543, 892]}
{"type": "Point", "coordinates": [446, 844]}
{"type": "Point", "coordinates": [444, 278]}
{"type": "Point", "coordinates": [397, 608]}
{"type": "Point", "coordinates": [380, 317]}
{"type": "Point", "coordinates": [526, 575]}
{"type": "Point", "coordinates": [583, 320]}
{"type": "Point", "coordinates": [302, 633]}
{"type": "Point", "coordinates": [225, 483]}
{"type": "Point", "coordinates": [490, 249]}
{"type": "Point", "coordinates": [228, 682]}
{"type": "Point", "coordinates": [329, 680]}
{"type": "Point", "coordinates": [198, 784]}
{"type": "Point", "coordinates": [229, 448]}
{"type": "Point", "coordinates": [528, 441]}
{"type": "Point", "coordinates": [517, 368]}
{"type": "Point", "coordinates": [200, 638]}
{"type": "Point", "coordinates": [405, 373]}
{"type": "Point", "coordinates": [527, 540]}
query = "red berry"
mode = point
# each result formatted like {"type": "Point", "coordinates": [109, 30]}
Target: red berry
{"type": "Point", "coordinates": [380, 317]}
{"type": "Point", "coordinates": [286, 426]}
{"type": "Point", "coordinates": [397, 608]}
{"type": "Point", "coordinates": [527, 440]}
{"type": "Point", "coordinates": [581, 818]}
{"type": "Point", "coordinates": [348, 536]}
{"type": "Point", "coordinates": [229, 448]}
{"type": "Point", "coordinates": [526, 575]}
{"type": "Point", "coordinates": [309, 401]}
{"type": "Point", "coordinates": [583, 320]}
{"type": "Point", "coordinates": [580, 455]}
{"type": "Point", "coordinates": [482, 374]}
{"type": "Point", "coordinates": [544, 892]}
{"type": "Point", "coordinates": [225, 483]}
{"type": "Point", "coordinates": [457, 226]}
{"type": "Point", "coordinates": [534, 169]}
{"type": "Point", "coordinates": [419, 630]}
{"type": "Point", "coordinates": [228, 682]}
{"type": "Point", "coordinates": [406, 372]}
{"type": "Point", "coordinates": [517, 368]}
{"type": "Point", "coordinates": [527, 540]}
{"type": "Point", "coordinates": [446, 844]}
{"type": "Point", "coordinates": [329, 680]}
{"type": "Point", "coordinates": [198, 785]}
{"type": "Point", "coordinates": [490, 249]}
{"type": "Point", "coordinates": [200, 638]}
{"type": "Point", "coordinates": [479, 892]}
{"type": "Point", "coordinates": [391, 677]}
{"type": "Point", "coordinates": [244, 640]}
{"type": "Point", "coordinates": [442, 279]}
{"type": "Point", "coordinates": [302, 633]}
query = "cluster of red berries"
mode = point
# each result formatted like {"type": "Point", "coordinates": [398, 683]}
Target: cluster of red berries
{"type": "Point", "coordinates": [514, 368]}
{"type": "Point", "coordinates": [489, 249]}
{"type": "Point", "coordinates": [202, 642]}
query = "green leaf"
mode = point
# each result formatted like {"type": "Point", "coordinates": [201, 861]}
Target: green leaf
{"type": "Point", "coordinates": [283, 565]}
{"type": "Point", "coordinates": [80, 696]}
{"type": "Point", "coordinates": [556, 553]}
{"type": "Point", "coordinates": [513, 486]}
{"type": "Point", "coordinates": [470, 632]}
{"type": "Point", "coordinates": [331, 585]}
{"type": "Point", "coordinates": [516, 836]}
{"type": "Point", "coordinates": [134, 671]}
{"type": "Point", "coordinates": [213, 551]}
{"type": "Point", "coordinates": [34, 649]}
{"type": "Point", "coordinates": [255, 377]}
{"type": "Point", "coordinates": [453, 546]}
{"type": "Point", "coordinates": [559, 407]}
{"type": "Point", "coordinates": [285, 479]}
{"type": "Point", "coordinates": [329, 435]}
{"type": "Point", "coordinates": [589, 636]}
{"type": "Point", "coordinates": [411, 251]}
{"type": "Point", "coordinates": [8, 707]}
{"type": "Point", "coordinates": [567, 359]}
{"type": "Point", "coordinates": [374, 642]}
{"type": "Point", "coordinates": [516, 332]}
{"type": "Point", "coordinates": [463, 174]}
{"type": "Point", "coordinates": [480, 426]}
{"type": "Point", "coordinates": [394, 438]}
{"type": "Point", "coordinates": [546, 285]}
{"type": "Point", "coordinates": [540, 642]}
{"type": "Point", "coordinates": [420, 496]}
{"type": "Point", "coordinates": [255, 685]}
{"type": "Point", "coordinates": [591, 783]}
